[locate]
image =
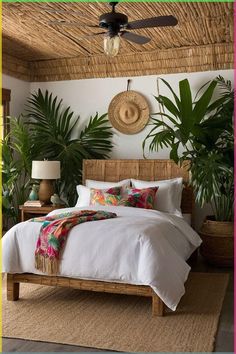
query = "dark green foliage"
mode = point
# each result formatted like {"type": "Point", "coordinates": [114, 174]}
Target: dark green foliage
{"type": "Point", "coordinates": [56, 136]}
{"type": "Point", "coordinates": [50, 132]}
{"type": "Point", "coordinates": [16, 167]}
{"type": "Point", "coordinates": [204, 131]}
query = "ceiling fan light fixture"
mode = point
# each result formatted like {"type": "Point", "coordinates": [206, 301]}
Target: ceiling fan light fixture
{"type": "Point", "coordinates": [111, 45]}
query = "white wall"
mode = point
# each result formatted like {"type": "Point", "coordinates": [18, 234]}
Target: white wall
{"type": "Point", "coordinates": [94, 95]}
{"type": "Point", "coordinates": [20, 90]}
{"type": "Point", "coordinates": [86, 97]}
{"type": "Point", "coordinates": [89, 96]}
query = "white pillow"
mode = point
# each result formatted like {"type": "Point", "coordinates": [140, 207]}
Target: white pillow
{"type": "Point", "coordinates": [84, 191]}
{"type": "Point", "coordinates": [84, 196]}
{"type": "Point", "coordinates": [125, 183]}
{"type": "Point", "coordinates": [169, 194]}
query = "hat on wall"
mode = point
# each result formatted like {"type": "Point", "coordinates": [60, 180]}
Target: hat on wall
{"type": "Point", "coordinates": [128, 112]}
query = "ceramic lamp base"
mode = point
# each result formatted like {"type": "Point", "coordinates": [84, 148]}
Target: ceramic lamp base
{"type": "Point", "coordinates": [46, 190]}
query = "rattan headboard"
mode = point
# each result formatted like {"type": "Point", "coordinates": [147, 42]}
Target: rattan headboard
{"type": "Point", "coordinates": [148, 170]}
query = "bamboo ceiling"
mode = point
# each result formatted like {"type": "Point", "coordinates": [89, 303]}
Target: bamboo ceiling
{"type": "Point", "coordinates": [35, 50]}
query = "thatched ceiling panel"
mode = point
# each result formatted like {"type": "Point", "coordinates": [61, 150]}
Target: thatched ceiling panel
{"type": "Point", "coordinates": [201, 58]}
{"type": "Point", "coordinates": [28, 36]}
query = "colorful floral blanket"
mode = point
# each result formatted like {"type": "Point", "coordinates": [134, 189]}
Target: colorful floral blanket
{"type": "Point", "coordinates": [54, 232]}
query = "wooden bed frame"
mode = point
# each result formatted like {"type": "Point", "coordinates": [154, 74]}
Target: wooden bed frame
{"type": "Point", "coordinates": [114, 170]}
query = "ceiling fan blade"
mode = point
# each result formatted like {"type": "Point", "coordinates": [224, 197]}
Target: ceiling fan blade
{"type": "Point", "coordinates": [70, 24]}
{"type": "Point", "coordinates": [159, 21]}
{"type": "Point", "coordinates": [133, 37]}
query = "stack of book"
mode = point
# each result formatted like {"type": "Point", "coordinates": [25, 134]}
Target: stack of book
{"type": "Point", "coordinates": [33, 203]}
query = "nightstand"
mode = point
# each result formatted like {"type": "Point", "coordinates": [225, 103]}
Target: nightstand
{"type": "Point", "coordinates": [28, 212]}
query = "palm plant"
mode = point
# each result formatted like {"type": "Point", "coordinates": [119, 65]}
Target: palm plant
{"type": "Point", "coordinates": [48, 131]}
{"type": "Point", "coordinates": [16, 166]}
{"type": "Point", "coordinates": [9, 178]}
{"type": "Point", "coordinates": [56, 136]}
{"type": "Point", "coordinates": [204, 132]}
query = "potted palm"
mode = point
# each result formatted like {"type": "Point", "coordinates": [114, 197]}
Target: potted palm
{"type": "Point", "coordinates": [57, 135]}
{"type": "Point", "coordinates": [16, 166]}
{"type": "Point", "coordinates": [51, 132]}
{"type": "Point", "coordinates": [203, 131]}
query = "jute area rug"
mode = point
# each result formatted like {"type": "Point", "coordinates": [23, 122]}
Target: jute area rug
{"type": "Point", "coordinates": [118, 322]}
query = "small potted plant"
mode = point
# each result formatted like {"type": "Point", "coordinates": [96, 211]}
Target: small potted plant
{"type": "Point", "coordinates": [204, 131]}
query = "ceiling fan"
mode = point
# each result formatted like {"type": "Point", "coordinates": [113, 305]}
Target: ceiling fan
{"type": "Point", "coordinates": [117, 26]}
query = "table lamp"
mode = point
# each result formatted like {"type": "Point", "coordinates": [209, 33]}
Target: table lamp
{"type": "Point", "coordinates": [47, 171]}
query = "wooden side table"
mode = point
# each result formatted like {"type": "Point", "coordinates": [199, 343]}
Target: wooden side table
{"type": "Point", "coordinates": [28, 212]}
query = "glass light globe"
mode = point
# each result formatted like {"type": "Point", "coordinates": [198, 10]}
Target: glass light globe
{"type": "Point", "coordinates": [111, 45]}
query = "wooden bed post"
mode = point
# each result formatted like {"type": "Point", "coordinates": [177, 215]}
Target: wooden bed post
{"type": "Point", "coordinates": [13, 288]}
{"type": "Point", "coordinates": [157, 306]}
{"type": "Point", "coordinates": [14, 280]}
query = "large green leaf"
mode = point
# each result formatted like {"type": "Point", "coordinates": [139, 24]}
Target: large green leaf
{"type": "Point", "coordinates": [186, 106]}
{"type": "Point", "coordinates": [206, 141]}
{"type": "Point", "coordinates": [216, 104]}
{"type": "Point", "coordinates": [174, 152]}
{"type": "Point", "coordinates": [168, 104]}
{"type": "Point", "coordinates": [201, 106]}
{"type": "Point", "coordinates": [178, 103]}
{"type": "Point", "coordinates": [173, 120]}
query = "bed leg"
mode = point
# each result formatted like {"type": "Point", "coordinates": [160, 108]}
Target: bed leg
{"type": "Point", "coordinates": [157, 306]}
{"type": "Point", "coordinates": [13, 288]}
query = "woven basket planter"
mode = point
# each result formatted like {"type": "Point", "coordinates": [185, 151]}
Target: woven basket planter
{"type": "Point", "coordinates": [218, 242]}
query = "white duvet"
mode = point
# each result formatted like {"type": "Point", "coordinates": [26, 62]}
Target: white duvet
{"type": "Point", "coordinates": [140, 246]}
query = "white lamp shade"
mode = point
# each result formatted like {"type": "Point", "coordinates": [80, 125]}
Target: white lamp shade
{"type": "Point", "coordinates": [46, 169]}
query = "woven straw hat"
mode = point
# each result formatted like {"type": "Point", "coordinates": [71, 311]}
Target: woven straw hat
{"type": "Point", "coordinates": [128, 112]}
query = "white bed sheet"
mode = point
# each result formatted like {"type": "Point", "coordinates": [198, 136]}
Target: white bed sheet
{"type": "Point", "coordinates": [143, 247]}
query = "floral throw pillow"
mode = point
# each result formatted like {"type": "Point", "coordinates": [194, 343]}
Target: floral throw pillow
{"type": "Point", "coordinates": [139, 198]}
{"type": "Point", "coordinates": [109, 196]}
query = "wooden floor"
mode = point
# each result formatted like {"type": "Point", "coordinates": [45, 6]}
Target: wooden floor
{"type": "Point", "coordinates": [224, 338]}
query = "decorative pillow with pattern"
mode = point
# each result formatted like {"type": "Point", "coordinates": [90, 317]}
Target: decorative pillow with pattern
{"type": "Point", "coordinates": [110, 196]}
{"type": "Point", "coordinates": [140, 198]}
